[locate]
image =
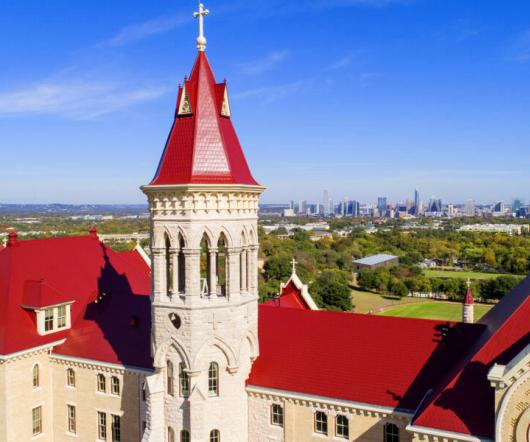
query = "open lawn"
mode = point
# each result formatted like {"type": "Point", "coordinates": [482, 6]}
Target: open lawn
{"type": "Point", "coordinates": [458, 274]}
{"type": "Point", "coordinates": [367, 302]}
{"type": "Point", "coordinates": [445, 311]}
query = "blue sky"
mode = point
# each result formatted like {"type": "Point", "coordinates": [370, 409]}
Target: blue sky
{"type": "Point", "coordinates": [361, 97]}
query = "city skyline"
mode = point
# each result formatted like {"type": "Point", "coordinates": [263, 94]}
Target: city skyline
{"type": "Point", "coordinates": [84, 93]}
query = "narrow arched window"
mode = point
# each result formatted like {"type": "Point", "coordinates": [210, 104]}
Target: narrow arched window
{"type": "Point", "coordinates": [321, 423]}
{"type": "Point", "coordinates": [169, 374]}
{"type": "Point", "coordinates": [181, 267]}
{"type": "Point", "coordinates": [36, 376]}
{"type": "Point", "coordinates": [221, 267]}
{"type": "Point", "coordinates": [342, 428]}
{"type": "Point", "coordinates": [213, 379]}
{"type": "Point", "coordinates": [184, 436]}
{"type": "Point", "coordinates": [70, 377]}
{"type": "Point", "coordinates": [170, 435]}
{"type": "Point", "coordinates": [205, 266]}
{"type": "Point", "coordinates": [391, 433]}
{"type": "Point", "coordinates": [215, 436]}
{"type": "Point", "coordinates": [115, 385]}
{"type": "Point", "coordinates": [102, 383]}
{"type": "Point", "coordinates": [184, 381]}
{"type": "Point", "coordinates": [277, 415]}
{"type": "Point", "coordinates": [169, 267]}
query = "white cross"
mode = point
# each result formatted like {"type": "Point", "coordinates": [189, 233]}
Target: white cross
{"type": "Point", "coordinates": [294, 262]}
{"type": "Point", "coordinates": [201, 40]}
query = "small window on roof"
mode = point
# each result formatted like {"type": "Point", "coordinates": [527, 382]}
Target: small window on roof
{"type": "Point", "coordinates": [48, 319]}
{"type": "Point", "coordinates": [61, 316]}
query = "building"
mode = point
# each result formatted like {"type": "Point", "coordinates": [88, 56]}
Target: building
{"type": "Point", "coordinates": [417, 203]}
{"type": "Point", "coordinates": [375, 261]}
{"type": "Point", "coordinates": [100, 345]}
{"type": "Point", "coordinates": [382, 205]}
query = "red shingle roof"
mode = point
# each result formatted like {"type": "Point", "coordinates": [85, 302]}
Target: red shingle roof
{"type": "Point", "coordinates": [37, 294]}
{"type": "Point", "coordinates": [369, 359]}
{"type": "Point", "coordinates": [291, 297]}
{"type": "Point", "coordinates": [80, 269]}
{"type": "Point", "coordinates": [202, 147]}
{"type": "Point", "coordinates": [464, 402]}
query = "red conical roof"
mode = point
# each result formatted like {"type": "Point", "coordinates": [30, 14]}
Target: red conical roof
{"type": "Point", "coordinates": [468, 298]}
{"type": "Point", "coordinates": [202, 147]}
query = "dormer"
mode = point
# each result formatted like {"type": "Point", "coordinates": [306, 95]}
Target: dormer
{"type": "Point", "coordinates": [52, 309]}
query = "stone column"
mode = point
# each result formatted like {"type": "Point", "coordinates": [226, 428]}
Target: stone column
{"type": "Point", "coordinates": [233, 270]}
{"type": "Point", "coordinates": [253, 273]}
{"type": "Point", "coordinates": [155, 417]}
{"type": "Point", "coordinates": [174, 256]}
{"type": "Point", "coordinates": [212, 283]}
{"type": "Point", "coordinates": [243, 269]}
{"type": "Point", "coordinates": [159, 281]}
{"type": "Point", "coordinates": [193, 276]}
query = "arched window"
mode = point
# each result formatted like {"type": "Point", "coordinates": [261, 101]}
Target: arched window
{"type": "Point", "coordinates": [115, 385]}
{"type": "Point", "coordinates": [391, 433]}
{"type": "Point", "coordinates": [321, 423]}
{"type": "Point", "coordinates": [36, 376]}
{"type": "Point", "coordinates": [169, 266]}
{"type": "Point", "coordinates": [181, 266]}
{"type": "Point", "coordinates": [184, 436]}
{"type": "Point", "coordinates": [222, 265]}
{"type": "Point", "coordinates": [184, 381]}
{"type": "Point", "coordinates": [144, 392]}
{"type": "Point", "coordinates": [215, 436]}
{"type": "Point", "coordinates": [342, 428]}
{"type": "Point", "coordinates": [277, 415]}
{"type": "Point", "coordinates": [102, 383]}
{"type": "Point", "coordinates": [213, 379]}
{"type": "Point", "coordinates": [169, 375]}
{"type": "Point", "coordinates": [205, 266]}
{"type": "Point", "coordinates": [170, 435]}
{"type": "Point", "coordinates": [70, 377]}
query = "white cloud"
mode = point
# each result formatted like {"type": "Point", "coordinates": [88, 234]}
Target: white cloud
{"type": "Point", "coordinates": [78, 100]}
{"type": "Point", "coordinates": [146, 29]}
{"type": "Point", "coordinates": [270, 61]}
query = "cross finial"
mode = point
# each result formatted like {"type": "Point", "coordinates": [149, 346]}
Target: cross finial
{"type": "Point", "coordinates": [201, 40]}
{"type": "Point", "coordinates": [468, 282]}
{"type": "Point", "coordinates": [294, 262]}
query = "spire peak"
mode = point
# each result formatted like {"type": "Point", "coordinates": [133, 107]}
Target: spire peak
{"type": "Point", "coordinates": [201, 39]}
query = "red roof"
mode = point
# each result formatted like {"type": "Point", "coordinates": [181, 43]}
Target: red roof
{"type": "Point", "coordinates": [464, 403]}
{"type": "Point", "coordinates": [291, 297]}
{"type": "Point", "coordinates": [468, 298]}
{"type": "Point", "coordinates": [363, 358]}
{"type": "Point", "coordinates": [202, 146]}
{"type": "Point", "coordinates": [37, 294]}
{"type": "Point", "coordinates": [80, 269]}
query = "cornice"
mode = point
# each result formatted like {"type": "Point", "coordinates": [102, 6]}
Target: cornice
{"type": "Point", "coordinates": [30, 352]}
{"type": "Point", "coordinates": [202, 188]}
{"type": "Point", "coordinates": [92, 364]}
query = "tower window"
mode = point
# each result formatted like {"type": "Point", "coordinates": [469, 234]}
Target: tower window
{"type": "Point", "coordinates": [215, 436]}
{"type": "Point", "coordinates": [221, 266]}
{"type": "Point", "coordinates": [321, 423]}
{"type": "Point", "coordinates": [36, 376]}
{"type": "Point", "coordinates": [36, 418]}
{"type": "Point", "coordinates": [70, 377]}
{"type": "Point", "coordinates": [184, 381]}
{"type": "Point", "coordinates": [184, 436]}
{"type": "Point", "coordinates": [169, 381]}
{"type": "Point", "coordinates": [169, 267]}
{"type": "Point", "coordinates": [277, 415]}
{"type": "Point", "coordinates": [181, 267]}
{"type": "Point", "coordinates": [170, 435]}
{"type": "Point", "coordinates": [213, 379]}
{"type": "Point", "coordinates": [342, 426]}
{"type": "Point", "coordinates": [102, 383]}
{"type": "Point", "coordinates": [115, 385]}
{"type": "Point", "coordinates": [391, 433]}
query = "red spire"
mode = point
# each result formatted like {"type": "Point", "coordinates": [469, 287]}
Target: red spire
{"type": "Point", "coordinates": [202, 147]}
{"type": "Point", "coordinates": [468, 298]}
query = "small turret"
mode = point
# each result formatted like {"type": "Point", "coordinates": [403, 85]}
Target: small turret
{"type": "Point", "coordinates": [468, 305]}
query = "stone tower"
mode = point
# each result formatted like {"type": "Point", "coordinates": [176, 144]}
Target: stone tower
{"type": "Point", "coordinates": [468, 307]}
{"type": "Point", "coordinates": [203, 203]}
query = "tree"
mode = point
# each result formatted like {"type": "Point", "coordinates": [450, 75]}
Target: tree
{"type": "Point", "coordinates": [277, 267]}
{"type": "Point", "coordinates": [399, 289]}
{"type": "Point", "coordinates": [331, 291]}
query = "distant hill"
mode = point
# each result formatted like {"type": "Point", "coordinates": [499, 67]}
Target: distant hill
{"type": "Point", "coordinates": [74, 208]}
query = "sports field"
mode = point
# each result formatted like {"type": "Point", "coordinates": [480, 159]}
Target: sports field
{"type": "Point", "coordinates": [458, 274]}
{"type": "Point", "coordinates": [445, 311]}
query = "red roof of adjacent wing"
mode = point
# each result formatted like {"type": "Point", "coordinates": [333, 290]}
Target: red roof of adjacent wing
{"type": "Point", "coordinates": [80, 269]}
{"type": "Point", "coordinates": [465, 402]}
{"type": "Point", "coordinates": [369, 359]}
{"type": "Point", "coordinates": [290, 297]}
{"type": "Point", "coordinates": [203, 148]}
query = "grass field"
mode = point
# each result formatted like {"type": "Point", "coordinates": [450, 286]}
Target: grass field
{"type": "Point", "coordinates": [445, 311]}
{"type": "Point", "coordinates": [366, 302]}
{"type": "Point", "coordinates": [458, 274]}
